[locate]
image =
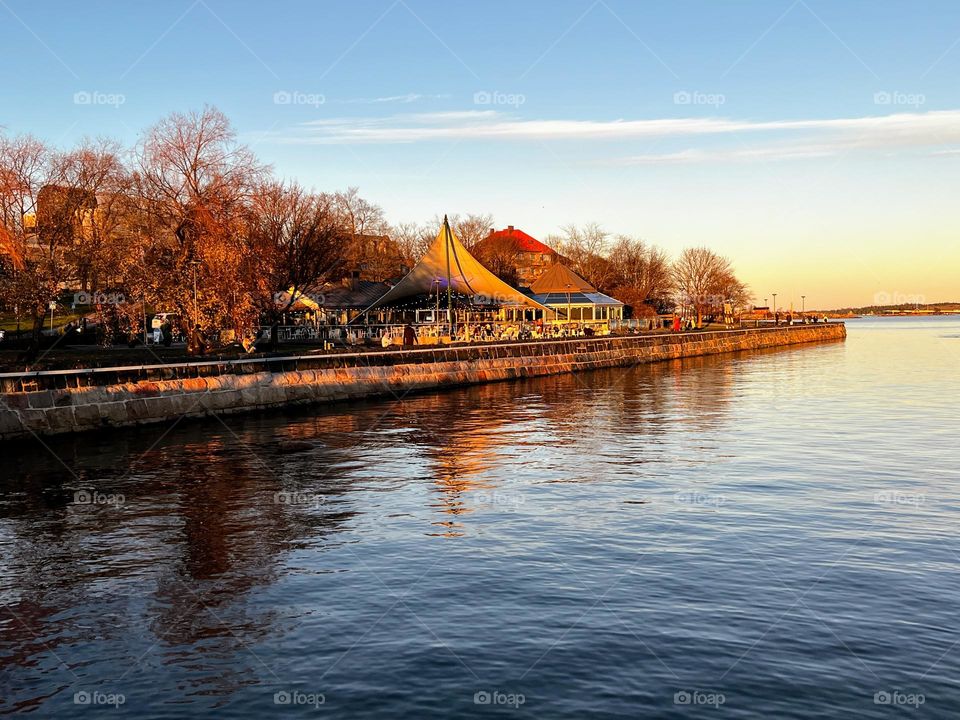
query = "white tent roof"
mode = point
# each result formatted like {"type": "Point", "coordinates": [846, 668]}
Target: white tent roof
{"type": "Point", "coordinates": [447, 259]}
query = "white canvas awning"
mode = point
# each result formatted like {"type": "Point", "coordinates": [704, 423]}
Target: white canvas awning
{"type": "Point", "coordinates": [447, 263]}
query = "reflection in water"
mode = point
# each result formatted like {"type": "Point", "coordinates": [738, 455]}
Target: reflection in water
{"type": "Point", "coordinates": [374, 551]}
{"type": "Point", "coordinates": [209, 510]}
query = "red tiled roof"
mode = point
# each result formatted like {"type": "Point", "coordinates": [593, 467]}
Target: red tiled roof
{"type": "Point", "coordinates": [524, 242]}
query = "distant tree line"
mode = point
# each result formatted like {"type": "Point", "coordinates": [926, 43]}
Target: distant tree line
{"type": "Point", "coordinates": [644, 277]}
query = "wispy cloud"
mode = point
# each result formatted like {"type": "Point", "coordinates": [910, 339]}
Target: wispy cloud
{"type": "Point", "coordinates": [405, 99]}
{"type": "Point", "coordinates": [779, 139]}
{"type": "Point", "coordinates": [749, 154]}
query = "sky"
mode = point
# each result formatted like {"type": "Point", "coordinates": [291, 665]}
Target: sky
{"type": "Point", "coordinates": [816, 143]}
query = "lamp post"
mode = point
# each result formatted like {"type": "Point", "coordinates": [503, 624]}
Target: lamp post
{"type": "Point", "coordinates": [568, 308]}
{"type": "Point", "coordinates": [436, 315]}
{"type": "Point", "coordinates": [146, 330]}
{"type": "Point", "coordinates": [803, 305]}
{"type": "Point", "coordinates": [776, 319]}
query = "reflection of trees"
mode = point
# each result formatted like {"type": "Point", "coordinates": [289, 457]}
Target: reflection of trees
{"type": "Point", "coordinates": [202, 527]}
{"type": "Point", "coordinates": [200, 521]}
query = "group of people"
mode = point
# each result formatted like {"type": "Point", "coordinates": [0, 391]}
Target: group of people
{"type": "Point", "coordinates": [408, 335]}
{"type": "Point", "coordinates": [802, 320]}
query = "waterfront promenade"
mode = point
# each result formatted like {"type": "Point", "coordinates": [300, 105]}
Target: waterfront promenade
{"type": "Point", "coordinates": [63, 401]}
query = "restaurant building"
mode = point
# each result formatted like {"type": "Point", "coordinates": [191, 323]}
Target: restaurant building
{"type": "Point", "coordinates": [577, 302]}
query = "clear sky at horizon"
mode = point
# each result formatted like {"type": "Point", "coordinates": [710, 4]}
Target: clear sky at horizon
{"type": "Point", "coordinates": [815, 143]}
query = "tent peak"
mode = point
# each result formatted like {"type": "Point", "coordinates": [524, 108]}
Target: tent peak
{"type": "Point", "coordinates": [447, 259]}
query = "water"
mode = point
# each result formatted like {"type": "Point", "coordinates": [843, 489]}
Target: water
{"type": "Point", "coordinates": [762, 535]}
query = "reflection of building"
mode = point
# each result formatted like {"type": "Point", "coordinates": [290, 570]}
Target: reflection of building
{"type": "Point", "coordinates": [514, 255]}
{"type": "Point", "coordinates": [563, 290]}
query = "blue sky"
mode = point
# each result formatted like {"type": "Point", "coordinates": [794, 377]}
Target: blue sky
{"type": "Point", "coordinates": [815, 143]}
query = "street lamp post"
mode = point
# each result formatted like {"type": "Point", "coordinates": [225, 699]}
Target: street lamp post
{"type": "Point", "coordinates": [436, 315]}
{"type": "Point", "coordinates": [803, 305]}
{"type": "Point", "coordinates": [568, 308]}
{"type": "Point", "coordinates": [776, 318]}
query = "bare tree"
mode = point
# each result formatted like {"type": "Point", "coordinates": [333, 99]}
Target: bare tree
{"type": "Point", "coordinates": [192, 183]}
{"type": "Point", "coordinates": [412, 240]}
{"type": "Point", "coordinates": [585, 250]}
{"type": "Point", "coordinates": [36, 261]}
{"type": "Point", "coordinates": [370, 248]}
{"type": "Point", "coordinates": [640, 275]}
{"type": "Point", "coordinates": [93, 197]}
{"type": "Point", "coordinates": [501, 256]}
{"type": "Point", "coordinates": [298, 242]}
{"type": "Point", "coordinates": [705, 281]}
{"type": "Point", "coordinates": [470, 228]}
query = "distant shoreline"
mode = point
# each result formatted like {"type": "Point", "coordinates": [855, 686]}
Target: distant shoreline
{"type": "Point", "coordinates": [858, 316]}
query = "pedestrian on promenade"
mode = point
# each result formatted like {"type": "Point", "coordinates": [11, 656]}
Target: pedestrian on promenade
{"type": "Point", "coordinates": [409, 336]}
{"type": "Point", "coordinates": [676, 323]}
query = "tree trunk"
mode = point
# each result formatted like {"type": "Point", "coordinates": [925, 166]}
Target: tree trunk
{"type": "Point", "coordinates": [38, 319]}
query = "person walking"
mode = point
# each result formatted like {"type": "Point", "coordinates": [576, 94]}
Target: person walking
{"type": "Point", "coordinates": [409, 336]}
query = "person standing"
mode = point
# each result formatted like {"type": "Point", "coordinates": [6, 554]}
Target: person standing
{"type": "Point", "coordinates": [409, 336]}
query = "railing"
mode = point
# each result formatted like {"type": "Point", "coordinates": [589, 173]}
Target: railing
{"type": "Point", "coordinates": [92, 377]}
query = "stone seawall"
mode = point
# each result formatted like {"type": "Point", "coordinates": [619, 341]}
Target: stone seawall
{"type": "Point", "coordinates": [52, 402]}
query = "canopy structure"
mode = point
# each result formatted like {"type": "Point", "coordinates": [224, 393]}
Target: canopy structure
{"type": "Point", "coordinates": [562, 289]}
{"type": "Point", "coordinates": [449, 267]}
{"type": "Point", "coordinates": [560, 278]}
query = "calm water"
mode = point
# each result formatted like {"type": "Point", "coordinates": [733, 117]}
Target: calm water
{"type": "Point", "coordinates": [763, 535]}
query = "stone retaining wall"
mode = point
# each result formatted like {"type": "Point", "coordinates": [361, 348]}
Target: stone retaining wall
{"type": "Point", "coordinates": [74, 400]}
